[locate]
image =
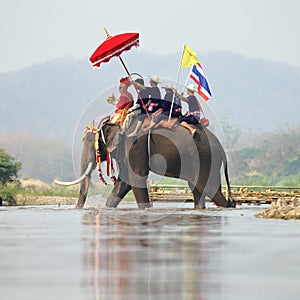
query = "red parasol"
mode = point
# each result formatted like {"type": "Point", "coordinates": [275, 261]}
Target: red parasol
{"type": "Point", "coordinates": [114, 46]}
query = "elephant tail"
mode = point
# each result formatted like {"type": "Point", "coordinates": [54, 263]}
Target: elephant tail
{"type": "Point", "coordinates": [225, 164]}
{"type": "Point", "coordinates": [227, 179]}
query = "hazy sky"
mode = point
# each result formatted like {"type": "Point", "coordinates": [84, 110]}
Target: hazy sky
{"type": "Point", "coordinates": [34, 31]}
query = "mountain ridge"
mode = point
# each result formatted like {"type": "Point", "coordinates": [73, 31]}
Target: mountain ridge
{"type": "Point", "coordinates": [49, 98]}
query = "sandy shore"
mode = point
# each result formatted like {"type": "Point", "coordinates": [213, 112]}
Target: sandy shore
{"type": "Point", "coordinates": [46, 200]}
{"type": "Point", "coordinates": [282, 210]}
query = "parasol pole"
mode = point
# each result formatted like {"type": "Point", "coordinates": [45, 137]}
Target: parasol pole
{"type": "Point", "coordinates": [122, 62]}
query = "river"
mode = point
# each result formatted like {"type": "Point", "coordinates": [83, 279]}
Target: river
{"type": "Point", "coordinates": [168, 252]}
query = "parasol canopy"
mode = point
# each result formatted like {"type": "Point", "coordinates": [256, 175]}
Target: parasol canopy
{"type": "Point", "coordinates": [114, 46]}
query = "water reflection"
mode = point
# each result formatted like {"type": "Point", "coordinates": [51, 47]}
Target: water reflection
{"type": "Point", "coordinates": [166, 259]}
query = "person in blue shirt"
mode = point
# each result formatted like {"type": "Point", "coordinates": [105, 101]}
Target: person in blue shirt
{"type": "Point", "coordinates": [165, 107]}
{"type": "Point", "coordinates": [193, 114]}
{"type": "Point", "coordinates": [151, 97]}
{"type": "Point", "coordinates": [153, 89]}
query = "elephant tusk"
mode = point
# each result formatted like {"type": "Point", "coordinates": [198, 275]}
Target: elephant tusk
{"type": "Point", "coordinates": [80, 179]}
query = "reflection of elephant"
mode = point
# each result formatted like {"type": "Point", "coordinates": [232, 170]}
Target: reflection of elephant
{"type": "Point", "coordinates": [172, 153]}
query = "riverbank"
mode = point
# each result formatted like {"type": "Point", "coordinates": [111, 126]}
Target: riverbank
{"type": "Point", "coordinates": [22, 200]}
{"type": "Point", "coordinates": [282, 210]}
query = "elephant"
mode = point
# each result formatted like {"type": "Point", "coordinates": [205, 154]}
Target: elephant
{"type": "Point", "coordinates": [171, 153]}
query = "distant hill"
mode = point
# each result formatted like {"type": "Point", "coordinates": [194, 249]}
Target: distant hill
{"type": "Point", "coordinates": [49, 98]}
{"type": "Point", "coordinates": [50, 102]}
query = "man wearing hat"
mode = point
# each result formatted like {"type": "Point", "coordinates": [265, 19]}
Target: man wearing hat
{"type": "Point", "coordinates": [151, 97]}
{"type": "Point", "coordinates": [125, 101]}
{"type": "Point", "coordinates": [152, 91]}
{"type": "Point", "coordinates": [193, 114]}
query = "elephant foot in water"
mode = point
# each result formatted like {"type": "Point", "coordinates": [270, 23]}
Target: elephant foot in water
{"type": "Point", "coordinates": [113, 201]}
{"type": "Point", "coordinates": [144, 205]}
{"type": "Point", "coordinates": [220, 200]}
{"type": "Point", "coordinates": [198, 206]}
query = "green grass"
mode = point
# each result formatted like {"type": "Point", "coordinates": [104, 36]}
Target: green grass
{"type": "Point", "coordinates": [290, 180]}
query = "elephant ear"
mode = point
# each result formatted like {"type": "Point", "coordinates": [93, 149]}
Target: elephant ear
{"type": "Point", "coordinates": [111, 133]}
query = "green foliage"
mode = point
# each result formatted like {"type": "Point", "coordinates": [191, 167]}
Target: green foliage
{"type": "Point", "coordinates": [272, 159]}
{"type": "Point", "coordinates": [9, 171]}
{"type": "Point", "coordinates": [9, 168]}
{"type": "Point", "coordinates": [50, 190]}
{"type": "Point", "coordinates": [8, 192]}
{"type": "Point", "coordinates": [291, 180]}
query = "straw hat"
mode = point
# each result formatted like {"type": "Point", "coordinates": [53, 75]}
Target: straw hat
{"type": "Point", "coordinates": [191, 87]}
{"type": "Point", "coordinates": [168, 86]}
{"type": "Point", "coordinates": [154, 78]}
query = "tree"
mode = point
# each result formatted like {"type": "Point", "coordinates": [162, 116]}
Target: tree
{"type": "Point", "coordinates": [232, 134]}
{"type": "Point", "coordinates": [9, 168]}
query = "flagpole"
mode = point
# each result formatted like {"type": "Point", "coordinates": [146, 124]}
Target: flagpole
{"type": "Point", "coordinates": [186, 80]}
{"type": "Point", "coordinates": [177, 79]}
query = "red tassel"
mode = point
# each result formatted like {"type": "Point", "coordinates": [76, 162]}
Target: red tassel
{"type": "Point", "coordinates": [114, 179]}
{"type": "Point", "coordinates": [107, 164]}
{"type": "Point", "coordinates": [102, 179]}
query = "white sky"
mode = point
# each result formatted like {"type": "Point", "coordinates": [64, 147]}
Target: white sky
{"type": "Point", "coordinates": [34, 31]}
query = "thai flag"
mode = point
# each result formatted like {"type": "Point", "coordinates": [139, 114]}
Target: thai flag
{"type": "Point", "coordinates": [197, 74]}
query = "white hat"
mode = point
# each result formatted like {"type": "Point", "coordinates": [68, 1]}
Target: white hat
{"type": "Point", "coordinates": [191, 87]}
{"type": "Point", "coordinates": [154, 78]}
{"type": "Point", "coordinates": [168, 86]}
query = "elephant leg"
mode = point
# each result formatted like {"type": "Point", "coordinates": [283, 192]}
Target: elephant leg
{"type": "Point", "coordinates": [142, 197]}
{"type": "Point", "coordinates": [220, 200]}
{"type": "Point", "coordinates": [199, 200]}
{"type": "Point", "coordinates": [138, 184]}
{"type": "Point", "coordinates": [140, 190]}
{"type": "Point", "coordinates": [138, 171]}
{"type": "Point", "coordinates": [118, 193]}
{"type": "Point", "coordinates": [199, 197]}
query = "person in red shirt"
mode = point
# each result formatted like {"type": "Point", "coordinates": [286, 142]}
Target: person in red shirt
{"type": "Point", "coordinates": [125, 101]}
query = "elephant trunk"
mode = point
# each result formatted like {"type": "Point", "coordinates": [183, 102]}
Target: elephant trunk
{"type": "Point", "coordinates": [84, 188]}
{"type": "Point", "coordinates": [85, 184]}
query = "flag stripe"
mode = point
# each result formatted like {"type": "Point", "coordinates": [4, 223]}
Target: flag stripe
{"type": "Point", "coordinates": [197, 75]}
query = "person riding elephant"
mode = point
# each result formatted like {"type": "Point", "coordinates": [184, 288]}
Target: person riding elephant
{"type": "Point", "coordinates": [165, 106]}
{"type": "Point", "coordinates": [151, 97]}
{"type": "Point", "coordinates": [140, 108]}
{"type": "Point", "coordinates": [153, 89]}
{"type": "Point", "coordinates": [125, 101]}
{"type": "Point", "coordinates": [193, 114]}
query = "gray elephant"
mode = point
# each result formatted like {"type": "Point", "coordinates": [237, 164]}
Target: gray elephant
{"type": "Point", "coordinates": [172, 153]}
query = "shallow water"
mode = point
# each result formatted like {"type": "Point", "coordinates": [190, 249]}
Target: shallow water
{"type": "Point", "coordinates": [168, 252]}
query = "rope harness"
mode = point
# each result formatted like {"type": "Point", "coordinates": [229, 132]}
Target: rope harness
{"type": "Point", "coordinates": [96, 127]}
